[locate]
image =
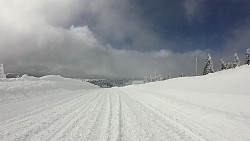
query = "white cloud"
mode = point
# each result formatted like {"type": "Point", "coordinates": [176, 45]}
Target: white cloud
{"type": "Point", "coordinates": [85, 34]}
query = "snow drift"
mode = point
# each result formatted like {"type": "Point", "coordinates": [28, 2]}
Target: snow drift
{"type": "Point", "coordinates": [16, 89]}
{"type": "Point", "coordinates": [219, 102]}
{"type": "Point", "coordinates": [226, 90]}
{"type": "Point", "coordinates": [232, 81]}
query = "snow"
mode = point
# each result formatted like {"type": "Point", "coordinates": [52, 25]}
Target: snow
{"type": "Point", "coordinates": [25, 87]}
{"type": "Point", "coordinates": [212, 107]}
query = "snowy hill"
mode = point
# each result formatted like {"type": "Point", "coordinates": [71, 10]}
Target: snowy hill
{"type": "Point", "coordinates": [214, 107]}
{"type": "Point", "coordinates": [219, 101]}
{"type": "Point", "coordinates": [227, 90]}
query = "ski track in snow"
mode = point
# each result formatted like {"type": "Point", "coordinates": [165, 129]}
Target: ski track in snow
{"type": "Point", "coordinates": [122, 114]}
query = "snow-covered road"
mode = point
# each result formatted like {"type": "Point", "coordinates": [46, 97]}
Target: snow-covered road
{"type": "Point", "coordinates": [119, 114]}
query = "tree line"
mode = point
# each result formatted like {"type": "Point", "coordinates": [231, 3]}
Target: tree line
{"type": "Point", "coordinates": [208, 68]}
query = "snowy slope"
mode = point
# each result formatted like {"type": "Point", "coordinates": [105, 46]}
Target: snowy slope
{"type": "Point", "coordinates": [219, 102]}
{"type": "Point", "coordinates": [233, 81]}
{"type": "Point", "coordinates": [213, 107]}
{"type": "Point", "coordinates": [228, 90]}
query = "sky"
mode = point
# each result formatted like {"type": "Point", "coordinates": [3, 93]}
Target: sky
{"type": "Point", "coordinates": [120, 38]}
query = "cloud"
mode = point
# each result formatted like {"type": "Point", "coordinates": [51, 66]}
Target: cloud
{"type": "Point", "coordinates": [71, 38]}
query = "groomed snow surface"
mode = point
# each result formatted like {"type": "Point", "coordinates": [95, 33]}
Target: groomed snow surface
{"type": "Point", "coordinates": [212, 107]}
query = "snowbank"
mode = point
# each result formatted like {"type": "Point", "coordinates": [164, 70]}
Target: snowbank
{"type": "Point", "coordinates": [226, 91]}
{"type": "Point", "coordinates": [17, 89]}
{"type": "Point", "coordinates": [233, 81]}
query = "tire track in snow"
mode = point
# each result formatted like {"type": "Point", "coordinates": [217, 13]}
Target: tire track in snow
{"type": "Point", "coordinates": [39, 110]}
{"type": "Point", "coordinates": [159, 128]}
{"type": "Point", "coordinates": [146, 126]}
{"type": "Point", "coordinates": [73, 132]}
{"type": "Point", "coordinates": [29, 127]}
{"type": "Point", "coordinates": [120, 119]}
{"type": "Point", "coordinates": [109, 128]}
{"type": "Point", "coordinates": [101, 120]}
{"type": "Point", "coordinates": [129, 126]}
{"type": "Point", "coordinates": [50, 124]}
{"type": "Point", "coordinates": [70, 121]}
{"type": "Point", "coordinates": [81, 129]}
{"type": "Point", "coordinates": [175, 117]}
{"type": "Point", "coordinates": [113, 128]}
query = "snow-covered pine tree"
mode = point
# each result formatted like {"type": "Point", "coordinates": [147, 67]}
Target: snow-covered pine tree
{"type": "Point", "coordinates": [169, 76]}
{"type": "Point", "coordinates": [160, 78]}
{"type": "Point", "coordinates": [223, 65]}
{"type": "Point", "coordinates": [2, 74]}
{"type": "Point", "coordinates": [229, 65]}
{"type": "Point", "coordinates": [208, 65]}
{"type": "Point", "coordinates": [146, 79]}
{"type": "Point", "coordinates": [236, 61]}
{"type": "Point", "coordinates": [150, 78]}
{"type": "Point", "coordinates": [247, 60]}
{"type": "Point", "coordinates": [181, 75]}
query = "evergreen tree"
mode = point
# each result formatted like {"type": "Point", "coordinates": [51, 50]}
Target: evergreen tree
{"type": "Point", "coordinates": [150, 78]}
{"type": "Point", "coordinates": [236, 61]}
{"type": "Point", "coordinates": [230, 65]}
{"type": "Point", "coordinates": [208, 65]}
{"type": "Point", "coordinates": [181, 75]}
{"type": "Point", "coordinates": [160, 78]}
{"type": "Point", "coordinates": [2, 74]}
{"type": "Point", "coordinates": [247, 61]}
{"type": "Point", "coordinates": [146, 80]}
{"type": "Point", "coordinates": [169, 76]}
{"type": "Point", "coordinates": [223, 65]}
